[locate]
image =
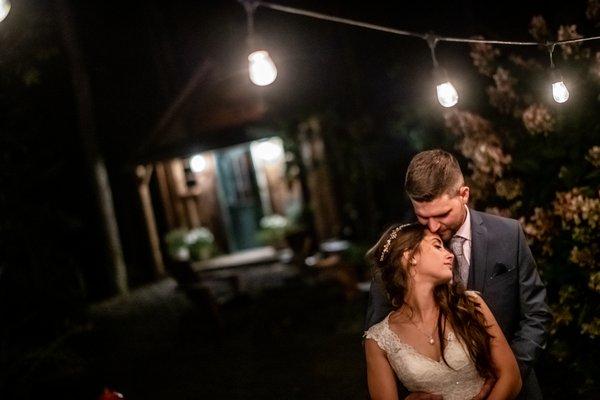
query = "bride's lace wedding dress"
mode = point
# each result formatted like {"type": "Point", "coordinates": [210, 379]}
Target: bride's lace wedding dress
{"type": "Point", "coordinates": [419, 373]}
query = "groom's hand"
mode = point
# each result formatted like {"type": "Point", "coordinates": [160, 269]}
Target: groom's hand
{"type": "Point", "coordinates": [423, 396]}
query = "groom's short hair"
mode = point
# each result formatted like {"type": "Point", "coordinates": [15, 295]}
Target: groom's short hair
{"type": "Point", "coordinates": [431, 174]}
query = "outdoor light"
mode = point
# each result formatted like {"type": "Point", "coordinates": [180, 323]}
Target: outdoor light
{"type": "Point", "coordinates": [263, 72]}
{"type": "Point", "coordinates": [4, 9]}
{"type": "Point", "coordinates": [446, 92]}
{"type": "Point", "coordinates": [198, 163]}
{"type": "Point", "coordinates": [560, 93]}
{"type": "Point", "coordinates": [268, 151]}
{"type": "Point", "coordinates": [261, 68]}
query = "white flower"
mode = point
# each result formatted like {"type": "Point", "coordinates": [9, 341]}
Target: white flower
{"type": "Point", "coordinates": [199, 235]}
{"type": "Point", "coordinates": [274, 221]}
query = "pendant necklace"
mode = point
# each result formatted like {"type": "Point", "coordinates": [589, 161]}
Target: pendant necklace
{"type": "Point", "coordinates": [430, 340]}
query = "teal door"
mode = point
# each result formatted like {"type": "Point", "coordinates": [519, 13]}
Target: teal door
{"type": "Point", "coordinates": [240, 201]}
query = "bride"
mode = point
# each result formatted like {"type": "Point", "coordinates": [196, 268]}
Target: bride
{"type": "Point", "coordinates": [440, 339]}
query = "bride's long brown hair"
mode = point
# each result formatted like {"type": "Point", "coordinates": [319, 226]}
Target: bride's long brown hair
{"type": "Point", "coordinates": [455, 306]}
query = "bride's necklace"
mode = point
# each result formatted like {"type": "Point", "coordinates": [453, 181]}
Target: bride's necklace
{"type": "Point", "coordinates": [429, 337]}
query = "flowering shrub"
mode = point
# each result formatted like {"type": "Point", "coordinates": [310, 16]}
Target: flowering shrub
{"type": "Point", "coordinates": [531, 159]}
{"type": "Point", "coordinates": [538, 119]}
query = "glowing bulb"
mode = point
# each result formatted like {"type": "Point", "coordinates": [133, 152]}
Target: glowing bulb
{"type": "Point", "coordinates": [198, 163]}
{"type": "Point", "coordinates": [447, 95]}
{"type": "Point", "coordinates": [4, 9]}
{"type": "Point", "coordinates": [268, 151]}
{"type": "Point", "coordinates": [262, 68]}
{"type": "Point", "coordinates": [560, 92]}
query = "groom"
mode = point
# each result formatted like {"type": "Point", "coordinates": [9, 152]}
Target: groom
{"type": "Point", "coordinates": [492, 256]}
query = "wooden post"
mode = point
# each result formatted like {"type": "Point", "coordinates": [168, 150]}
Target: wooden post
{"type": "Point", "coordinates": [143, 174]}
{"type": "Point", "coordinates": [95, 163]}
{"type": "Point", "coordinates": [192, 210]}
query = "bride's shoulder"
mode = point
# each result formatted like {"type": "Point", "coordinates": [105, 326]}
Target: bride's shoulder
{"type": "Point", "coordinates": [377, 331]}
{"type": "Point", "coordinates": [382, 335]}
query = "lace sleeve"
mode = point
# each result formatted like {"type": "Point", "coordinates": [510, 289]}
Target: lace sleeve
{"type": "Point", "coordinates": [377, 333]}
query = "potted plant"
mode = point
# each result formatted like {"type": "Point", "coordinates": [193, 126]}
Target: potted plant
{"type": "Point", "coordinates": [190, 244]}
{"type": "Point", "coordinates": [273, 230]}
{"type": "Point", "coordinates": [201, 243]}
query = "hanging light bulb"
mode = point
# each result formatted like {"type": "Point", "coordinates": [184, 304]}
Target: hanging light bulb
{"type": "Point", "coordinates": [261, 68]}
{"type": "Point", "coordinates": [560, 92]}
{"type": "Point", "coordinates": [446, 92]}
{"type": "Point", "coordinates": [4, 9]}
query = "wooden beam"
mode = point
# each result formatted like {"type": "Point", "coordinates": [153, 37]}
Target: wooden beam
{"type": "Point", "coordinates": [200, 74]}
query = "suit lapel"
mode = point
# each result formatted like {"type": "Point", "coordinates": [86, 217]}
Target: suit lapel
{"type": "Point", "coordinates": [478, 252]}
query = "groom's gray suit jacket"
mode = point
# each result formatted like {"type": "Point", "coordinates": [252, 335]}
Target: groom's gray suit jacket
{"type": "Point", "coordinates": [504, 272]}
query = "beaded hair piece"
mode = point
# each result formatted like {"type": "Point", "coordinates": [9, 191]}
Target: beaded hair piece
{"type": "Point", "coordinates": [393, 235]}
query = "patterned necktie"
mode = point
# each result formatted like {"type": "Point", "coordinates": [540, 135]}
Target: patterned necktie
{"type": "Point", "coordinates": [456, 245]}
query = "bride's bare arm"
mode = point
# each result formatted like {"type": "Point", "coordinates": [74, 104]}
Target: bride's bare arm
{"type": "Point", "coordinates": [380, 376]}
{"type": "Point", "coordinates": [508, 383]}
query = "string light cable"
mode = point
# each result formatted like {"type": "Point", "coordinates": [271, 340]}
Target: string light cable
{"type": "Point", "coordinates": [346, 21]}
{"type": "Point", "coordinates": [432, 40]}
